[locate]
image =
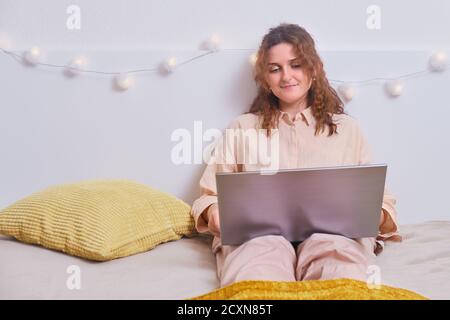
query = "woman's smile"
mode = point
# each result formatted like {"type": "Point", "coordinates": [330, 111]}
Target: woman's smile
{"type": "Point", "coordinates": [288, 87]}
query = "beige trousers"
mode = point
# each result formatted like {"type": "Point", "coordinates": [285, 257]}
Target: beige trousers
{"type": "Point", "coordinates": [321, 256]}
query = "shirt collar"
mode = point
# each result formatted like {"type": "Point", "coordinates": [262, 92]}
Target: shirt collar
{"type": "Point", "coordinates": [305, 115]}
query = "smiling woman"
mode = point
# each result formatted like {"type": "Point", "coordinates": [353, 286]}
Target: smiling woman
{"type": "Point", "coordinates": [296, 106]}
{"type": "Point", "coordinates": [287, 79]}
{"type": "Point", "coordinates": [291, 77]}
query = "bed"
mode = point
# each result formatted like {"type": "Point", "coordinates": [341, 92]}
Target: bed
{"type": "Point", "coordinates": [186, 268]}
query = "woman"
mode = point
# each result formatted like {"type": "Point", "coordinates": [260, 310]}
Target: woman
{"type": "Point", "coordinates": [295, 100]}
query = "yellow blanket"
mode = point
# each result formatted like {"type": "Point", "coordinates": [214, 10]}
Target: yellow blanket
{"type": "Point", "coordinates": [340, 289]}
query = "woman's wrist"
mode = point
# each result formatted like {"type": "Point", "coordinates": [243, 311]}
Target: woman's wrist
{"type": "Point", "coordinates": [206, 213]}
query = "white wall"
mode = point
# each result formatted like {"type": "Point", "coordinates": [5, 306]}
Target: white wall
{"type": "Point", "coordinates": [55, 129]}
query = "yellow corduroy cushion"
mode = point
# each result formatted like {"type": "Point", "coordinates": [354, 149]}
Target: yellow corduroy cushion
{"type": "Point", "coordinates": [339, 289]}
{"type": "Point", "coordinates": [98, 219]}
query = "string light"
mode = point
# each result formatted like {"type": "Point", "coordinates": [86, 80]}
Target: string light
{"type": "Point", "coordinates": [32, 56]}
{"type": "Point", "coordinates": [346, 91]}
{"type": "Point", "coordinates": [76, 66]}
{"type": "Point", "coordinates": [5, 43]}
{"type": "Point", "coordinates": [394, 88]}
{"type": "Point", "coordinates": [123, 80]}
{"type": "Point", "coordinates": [438, 61]}
{"type": "Point", "coordinates": [253, 58]}
{"type": "Point", "coordinates": [169, 65]}
{"type": "Point", "coordinates": [18, 57]}
{"type": "Point", "coordinates": [212, 44]}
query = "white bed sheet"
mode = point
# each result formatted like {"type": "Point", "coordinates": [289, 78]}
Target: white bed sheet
{"type": "Point", "coordinates": [186, 268]}
{"type": "Point", "coordinates": [421, 262]}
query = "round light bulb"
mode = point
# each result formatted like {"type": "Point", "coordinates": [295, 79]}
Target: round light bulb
{"type": "Point", "coordinates": [123, 81]}
{"type": "Point", "coordinates": [394, 88]}
{"type": "Point", "coordinates": [253, 58]}
{"type": "Point", "coordinates": [76, 65]}
{"type": "Point", "coordinates": [347, 92]}
{"type": "Point", "coordinates": [32, 56]}
{"type": "Point", "coordinates": [438, 61]}
{"type": "Point", "coordinates": [170, 64]}
{"type": "Point", "coordinates": [5, 44]}
{"type": "Point", "coordinates": [212, 44]}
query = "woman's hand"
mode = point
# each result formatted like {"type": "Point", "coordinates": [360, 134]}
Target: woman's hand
{"type": "Point", "coordinates": [382, 218]}
{"type": "Point", "coordinates": [213, 219]}
{"type": "Point", "coordinates": [386, 223]}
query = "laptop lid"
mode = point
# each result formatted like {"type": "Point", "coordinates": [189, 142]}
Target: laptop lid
{"type": "Point", "coordinates": [296, 203]}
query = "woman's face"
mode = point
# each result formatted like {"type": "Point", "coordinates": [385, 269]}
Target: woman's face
{"type": "Point", "coordinates": [285, 76]}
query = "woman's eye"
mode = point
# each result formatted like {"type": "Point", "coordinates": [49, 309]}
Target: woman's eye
{"type": "Point", "coordinates": [278, 69]}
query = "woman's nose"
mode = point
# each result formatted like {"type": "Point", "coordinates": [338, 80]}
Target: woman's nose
{"type": "Point", "coordinates": [286, 75]}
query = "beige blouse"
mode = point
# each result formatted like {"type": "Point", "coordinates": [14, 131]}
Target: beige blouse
{"type": "Point", "coordinates": [298, 147]}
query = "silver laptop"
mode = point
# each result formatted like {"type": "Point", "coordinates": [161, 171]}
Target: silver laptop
{"type": "Point", "coordinates": [299, 202]}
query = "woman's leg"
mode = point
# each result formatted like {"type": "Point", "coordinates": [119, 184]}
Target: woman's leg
{"type": "Point", "coordinates": [327, 256]}
{"type": "Point", "coordinates": [261, 258]}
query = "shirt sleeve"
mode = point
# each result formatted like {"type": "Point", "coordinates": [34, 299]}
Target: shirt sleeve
{"type": "Point", "coordinates": [365, 156]}
{"type": "Point", "coordinates": [223, 160]}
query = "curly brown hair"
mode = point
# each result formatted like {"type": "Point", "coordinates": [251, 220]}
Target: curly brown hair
{"type": "Point", "coordinates": [322, 98]}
